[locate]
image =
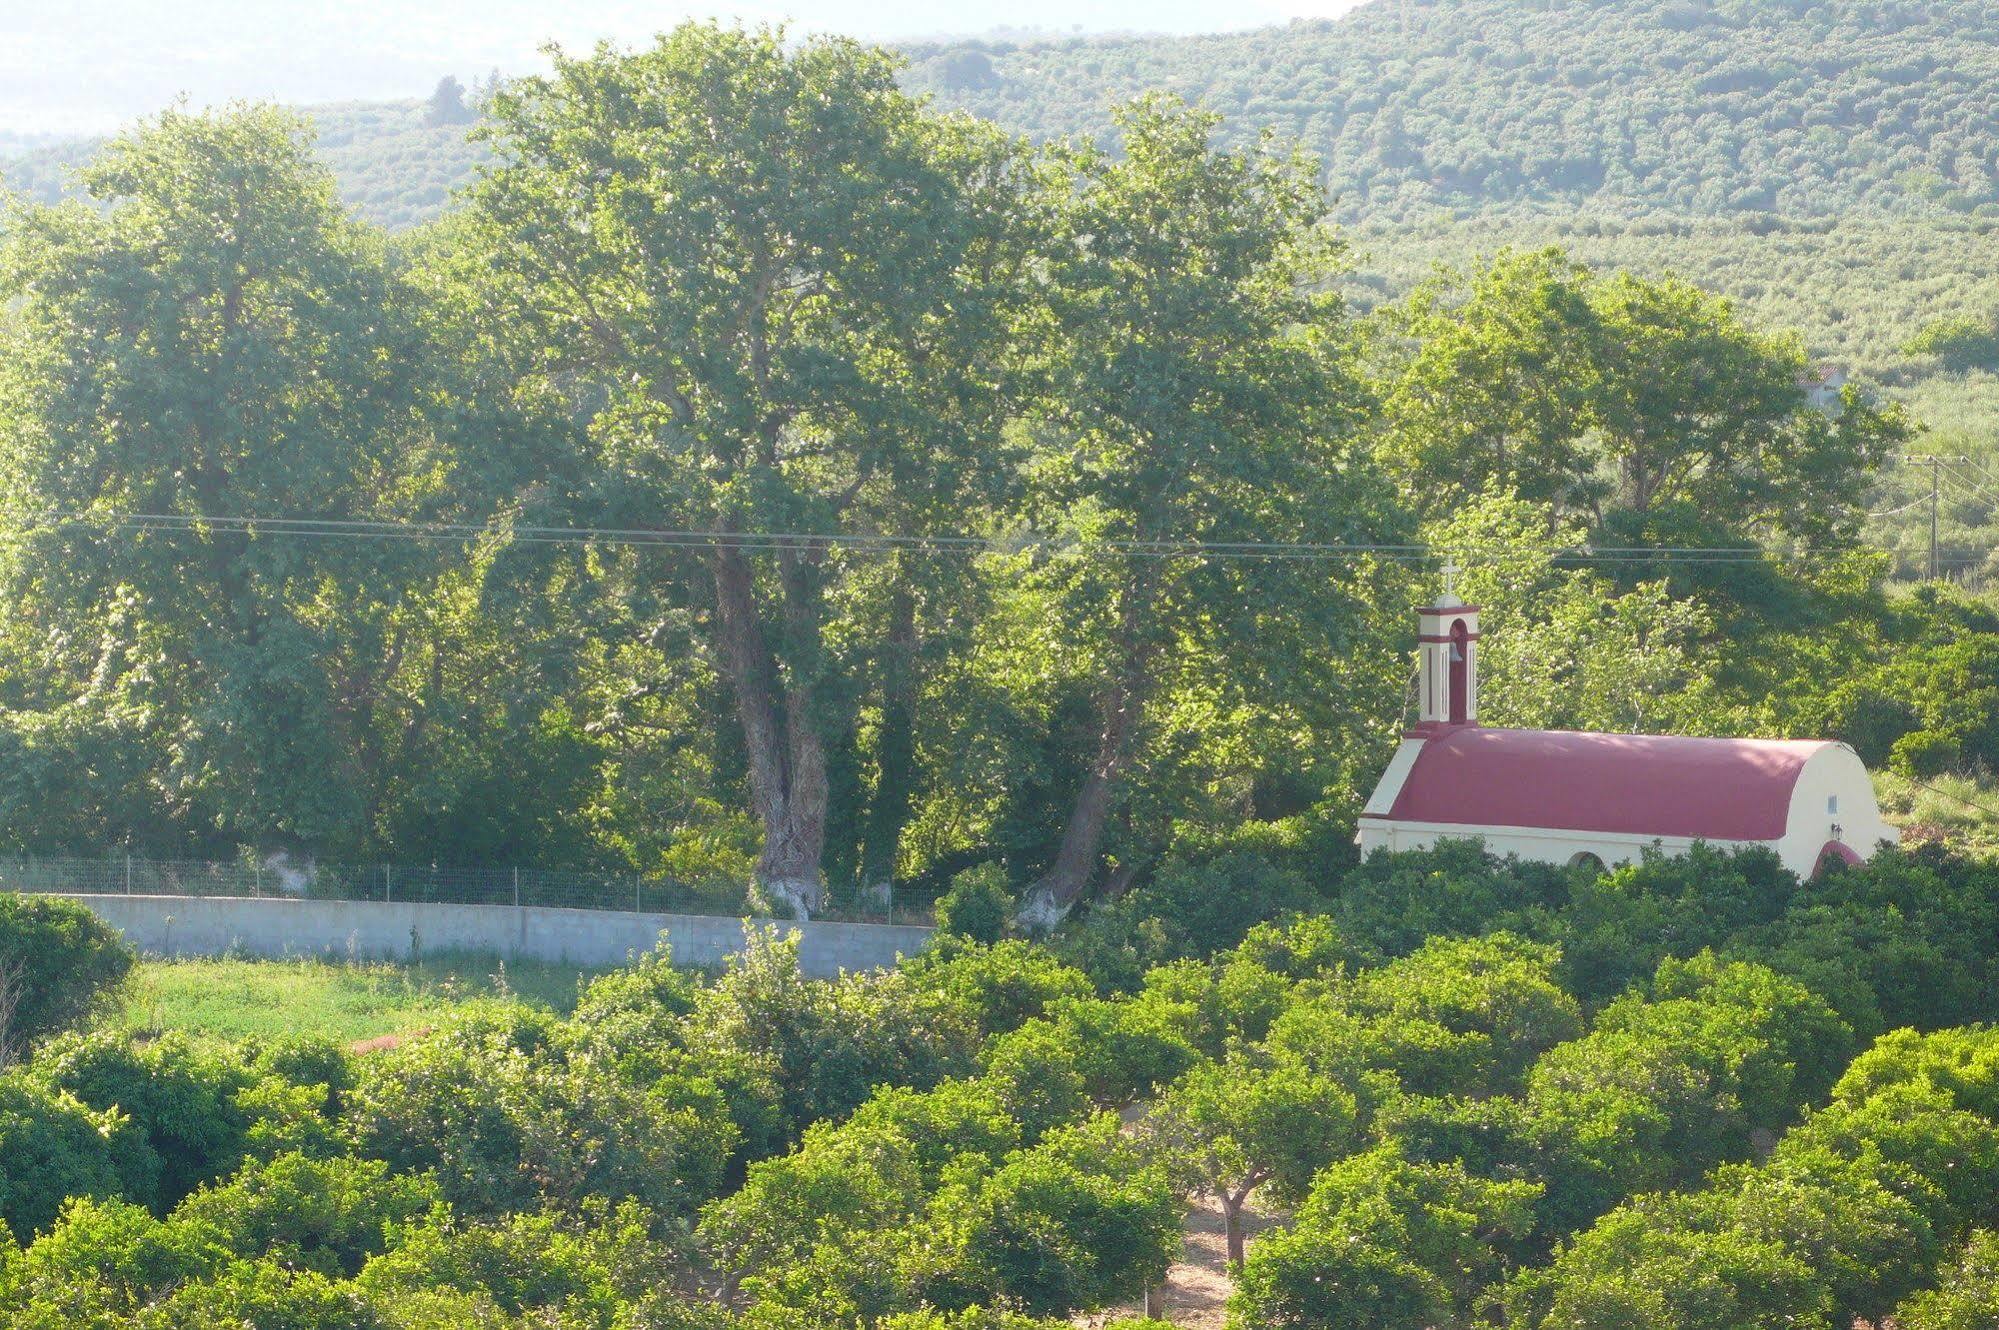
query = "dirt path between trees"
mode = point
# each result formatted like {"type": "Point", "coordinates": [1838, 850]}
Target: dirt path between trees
{"type": "Point", "coordinates": [1198, 1284]}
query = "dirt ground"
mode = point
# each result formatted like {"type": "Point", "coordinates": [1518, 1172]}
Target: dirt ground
{"type": "Point", "coordinates": [1197, 1285]}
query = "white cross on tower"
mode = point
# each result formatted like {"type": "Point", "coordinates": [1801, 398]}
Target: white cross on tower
{"type": "Point", "coordinates": [1450, 579]}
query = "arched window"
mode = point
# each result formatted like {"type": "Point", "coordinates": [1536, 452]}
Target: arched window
{"type": "Point", "coordinates": [1584, 859]}
{"type": "Point", "coordinates": [1460, 673]}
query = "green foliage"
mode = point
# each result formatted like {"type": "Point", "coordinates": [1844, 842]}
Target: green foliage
{"type": "Point", "coordinates": [1002, 986]}
{"type": "Point", "coordinates": [1187, 909]}
{"type": "Point", "coordinates": [1618, 927]}
{"type": "Point", "coordinates": [846, 280]}
{"type": "Point", "coordinates": [820, 1048]}
{"type": "Point", "coordinates": [323, 1215]}
{"type": "Point", "coordinates": [58, 963]}
{"type": "Point", "coordinates": [1229, 1129]}
{"type": "Point", "coordinates": [576, 1269]}
{"type": "Point", "coordinates": [1464, 1016]}
{"type": "Point", "coordinates": [1961, 341]}
{"type": "Point", "coordinates": [103, 1263]}
{"type": "Point", "coordinates": [1969, 1297]}
{"type": "Point", "coordinates": [1578, 650]}
{"type": "Point", "coordinates": [1392, 902]}
{"type": "Point", "coordinates": [1537, 376]}
{"type": "Point", "coordinates": [180, 1098]}
{"type": "Point", "coordinates": [1482, 103]}
{"type": "Point", "coordinates": [1076, 1221]}
{"type": "Point", "coordinates": [1200, 387]}
{"type": "Point", "coordinates": [1382, 1242]}
{"type": "Point", "coordinates": [54, 1147]}
{"type": "Point", "coordinates": [1895, 944]}
{"type": "Point", "coordinates": [1674, 1262]}
{"type": "Point", "coordinates": [1843, 1220]}
{"type": "Point", "coordinates": [491, 1104]}
{"type": "Point", "coordinates": [1456, 1131]}
{"type": "Point", "coordinates": [156, 348]}
{"type": "Point", "coordinates": [1665, 1086]}
{"type": "Point", "coordinates": [977, 906]}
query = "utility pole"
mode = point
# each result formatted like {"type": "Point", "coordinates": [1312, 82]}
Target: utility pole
{"type": "Point", "coordinates": [1936, 478]}
{"type": "Point", "coordinates": [1935, 464]}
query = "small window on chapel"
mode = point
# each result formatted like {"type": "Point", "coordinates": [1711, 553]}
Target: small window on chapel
{"type": "Point", "coordinates": [1832, 805]}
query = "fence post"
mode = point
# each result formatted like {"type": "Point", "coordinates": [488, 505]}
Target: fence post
{"type": "Point", "coordinates": [388, 892]}
{"type": "Point", "coordinates": [517, 886]}
{"type": "Point", "coordinates": [128, 872]}
{"type": "Point", "coordinates": [257, 877]}
{"type": "Point", "coordinates": [635, 893]}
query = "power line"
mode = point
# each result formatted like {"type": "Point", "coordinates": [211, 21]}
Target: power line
{"type": "Point", "coordinates": [1982, 468]}
{"type": "Point", "coordinates": [808, 541]}
{"type": "Point", "coordinates": [1892, 512]}
{"type": "Point", "coordinates": [1937, 789]}
{"type": "Point", "coordinates": [1969, 486]}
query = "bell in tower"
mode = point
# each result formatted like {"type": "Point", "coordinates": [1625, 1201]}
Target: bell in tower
{"type": "Point", "coordinates": [1447, 656]}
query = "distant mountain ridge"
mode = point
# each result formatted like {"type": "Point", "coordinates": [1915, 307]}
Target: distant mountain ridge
{"type": "Point", "coordinates": [1624, 106]}
{"type": "Point", "coordinates": [1805, 109]}
{"type": "Point", "coordinates": [393, 167]}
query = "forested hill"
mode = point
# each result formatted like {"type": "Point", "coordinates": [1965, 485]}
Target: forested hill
{"type": "Point", "coordinates": [1742, 105]}
{"type": "Point", "coordinates": [395, 164]}
{"type": "Point", "coordinates": [1636, 105]}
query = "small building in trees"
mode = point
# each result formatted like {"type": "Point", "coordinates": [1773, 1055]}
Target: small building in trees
{"type": "Point", "coordinates": [1569, 797]}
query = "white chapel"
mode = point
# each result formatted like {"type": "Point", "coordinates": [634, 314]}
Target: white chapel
{"type": "Point", "coordinates": [1570, 797]}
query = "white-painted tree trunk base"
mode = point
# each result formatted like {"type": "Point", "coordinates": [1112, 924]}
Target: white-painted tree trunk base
{"type": "Point", "coordinates": [797, 897]}
{"type": "Point", "coordinates": [1040, 913]}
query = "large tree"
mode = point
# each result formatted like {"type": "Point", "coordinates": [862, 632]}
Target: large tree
{"type": "Point", "coordinates": [1646, 407]}
{"type": "Point", "coordinates": [776, 287]}
{"type": "Point", "coordinates": [213, 341]}
{"type": "Point", "coordinates": [1199, 391]}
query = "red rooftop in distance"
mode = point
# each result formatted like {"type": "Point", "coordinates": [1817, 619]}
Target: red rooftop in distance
{"type": "Point", "coordinates": [1570, 797]}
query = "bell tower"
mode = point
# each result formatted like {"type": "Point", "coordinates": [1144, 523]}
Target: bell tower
{"type": "Point", "coordinates": [1447, 657]}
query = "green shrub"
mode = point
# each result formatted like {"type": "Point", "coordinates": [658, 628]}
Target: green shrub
{"type": "Point", "coordinates": [54, 1147]}
{"type": "Point", "coordinates": [180, 1098]}
{"type": "Point", "coordinates": [1924, 754]}
{"type": "Point", "coordinates": [102, 1265]}
{"type": "Point", "coordinates": [60, 963]}
{"type": "Point", "coordinates": [977, 906]}
{"type": "Point", "coordinates": [508, 1121]}
{"type": "Point", "coordinates": [1960, 341]}
{"type": "Point", "coordinates": [999, 987]}
{"type": "Point", "coordinates": [1968, 1298]}
{"type": "Point", "coordinates": [325, 1215]}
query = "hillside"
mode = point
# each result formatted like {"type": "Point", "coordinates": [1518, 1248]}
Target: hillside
{"type": "Point", "coordinates": [394, 168]}
{"type": "Point", "coordinates": [1632, 106]}
{"type": "Point", "coordinates": [1742, 105]}
{"type": "Point", "coordinates": [1830, 166]}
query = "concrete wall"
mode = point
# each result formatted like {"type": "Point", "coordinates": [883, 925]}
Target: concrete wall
{"type": "Point", "coordinates": [219, 925]}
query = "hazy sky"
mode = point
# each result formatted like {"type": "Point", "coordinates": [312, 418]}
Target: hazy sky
{"type": "Point", "coordinates": [89, 65]}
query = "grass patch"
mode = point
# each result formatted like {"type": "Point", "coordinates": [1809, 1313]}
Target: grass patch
{"type": "Point", "coordinates": [1960, 811]}
{"type": "Point", "coordinates": [342, 1000]}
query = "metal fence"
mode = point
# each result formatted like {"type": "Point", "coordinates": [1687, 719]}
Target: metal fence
{"type": "Point", "coordinates": [132, 876]}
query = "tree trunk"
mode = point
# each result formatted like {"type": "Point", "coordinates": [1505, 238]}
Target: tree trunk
{"type": "Point", "coordinates": [1050, 899]}
{"type": "Point", "coordinates": [895, 753]}
{"type": "Point", "coordinates": [785, 751]}
{"type": "Point", "coordinates": [1232, 1230]}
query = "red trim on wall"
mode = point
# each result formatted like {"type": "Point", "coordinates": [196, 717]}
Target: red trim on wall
{"type": "Point", "coordinates": [1839, 850]}
{"type": "Point", "coordinates": [1460, 667]}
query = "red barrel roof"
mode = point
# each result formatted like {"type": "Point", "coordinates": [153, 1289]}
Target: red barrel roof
{"type": "Point", "coordinates": [1634, 784]}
